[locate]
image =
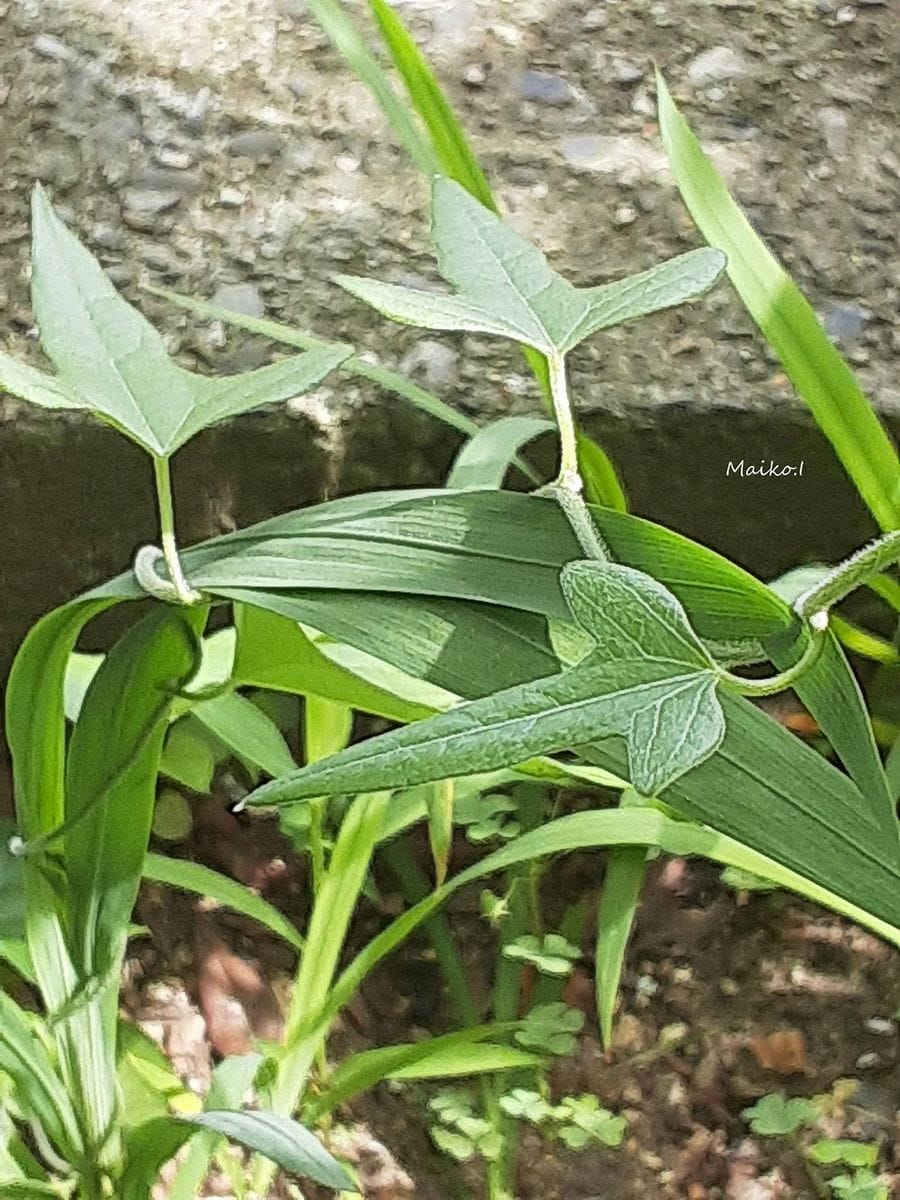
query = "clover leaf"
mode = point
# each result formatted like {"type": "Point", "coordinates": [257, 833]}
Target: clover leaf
{"type": "Point", "coordinates": [774, 1115]}
{"type": "Point", "coordinates": [551, 1028]}
{"type": "Point", "coordinates": [551, 955]}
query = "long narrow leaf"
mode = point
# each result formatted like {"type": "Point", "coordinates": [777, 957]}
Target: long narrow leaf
{"type": "Point", "coordinates": [450, 144]}
{"type": "Point", "coordinates": [203, 881]}
{"type": "Point", "coordinates": [788, 322]}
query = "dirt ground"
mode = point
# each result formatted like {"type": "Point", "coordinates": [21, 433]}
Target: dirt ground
{"type": "Point", "coordinates": [220, 148]}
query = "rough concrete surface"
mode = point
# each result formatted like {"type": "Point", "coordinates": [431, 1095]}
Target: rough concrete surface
{"type": "Point", "coordinates": [221, 148]}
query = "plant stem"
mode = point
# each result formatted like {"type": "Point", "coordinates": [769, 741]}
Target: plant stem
{"type": "Point", "coordinates": [815, 640]}
{"type": "Point", "coordinates": [569, 477]}
{"type": "Point", "coordinates": [163, 479]}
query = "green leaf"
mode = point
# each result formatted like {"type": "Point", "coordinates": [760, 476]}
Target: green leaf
{"type": "Point", "coordinates": [551, 1028]}
{"type": "Point", "coordinates": [112, 362]}
{"type": "Point", "coordinates": [505, 286]}
{"type": "Point", "coordinates": [37, 387]}
{"type": "Point", "coordinates": [589, 1123]}
{"type": "Point", "coordinates": [623, 882]}
{"type": "Point", "coordinates": [525, 1105]}
{"type": "Point", "coordinates": [148, 1147]}
{"type": "Point", "coordinates": [41, 1093]}
{"type": "Point", "coordinates": [145, 1077]}
{"type": "Point", "coordinates": [602, 484]}
{"type": "Point", "coordinates": [203, 881]}
{"type": "Point", "coordinates": [12, 887]}
{"type": "Point", "coordinates": [487, 456]}
{"type": "Point", "coordinates": [391, 381]}
{"type": "Point", "coordinates": [448, 140]}
{"type": "Point", "coordinates": [852, 1154]}
{"type": "Point", "coordinates": [111, 780]}
{"type": "Point", "coordinates": [787, 321]}
{"type": "Point", "coordinates": [282, 1140]}
{"type": "Point", "coordinates": [350, 44]}
{"type": "Point", "coordinates": [551, 954]}
{"type": "Point", "coordinates": [775, 1116]}
{"type": "Point", "coordinates": [276, 653]}
{"type": "Point", "coordinates": [231, 1080]}
{"type": "Point", "coordinates": [246, 731]}
{"type": "Point", "coordinates": [649, 679]}
{"type": "Point", "coordinates": [189, 755]}
{"type": "Point", "coordinates": [861, 1185]}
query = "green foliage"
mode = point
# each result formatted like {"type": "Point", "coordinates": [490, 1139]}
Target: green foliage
{"type": "Point", "coordinates": [851, 1154]}
{"type": "Point", "coordinates": [551, 1028]}
{"type": "Point", "coordinates": [861, 1185]}
{"type": "Point", "coordinates": [586, 1121]}
{"type": "Point", "coordinates": [551, 954]}
{"type": "Point", "coordinates": [506, 287]}
{"type": "Point", "coordinates": [460, 1133]}
{"type": "Point", "coordinates": [787, 321]}
{"type": "Point", "coordinates": [774, 1115]}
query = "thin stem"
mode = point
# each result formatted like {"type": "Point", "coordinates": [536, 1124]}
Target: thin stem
{"type": "Point", "coordinates": [841, 580]}
{"type": "Point", "coordinates": [163, 479]}
{"type": "Point", "coordinates": [815, 640]}
{"type": "Point", "coordinates": [569, 477]}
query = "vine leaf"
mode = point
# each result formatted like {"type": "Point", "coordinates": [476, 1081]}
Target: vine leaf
{"type": "Point", "coordinates": [505, 286]}
{"type": "Point", "coordinates": [111, 361]}
{"type": "Point", "coordinates": [648, 679]}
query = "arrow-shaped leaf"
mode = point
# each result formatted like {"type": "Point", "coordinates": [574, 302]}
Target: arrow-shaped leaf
{"type": "Point", "coordinates": [505, 286]}
{"type": "Point", "coordinates": [111, 361]}
{"type": "Point", "coordinates": [648, 680]}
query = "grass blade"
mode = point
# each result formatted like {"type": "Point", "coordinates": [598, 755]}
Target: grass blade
{"type": "Point", "coordinates": [449, 142]}
{"type": "Point", "coordinates": [203, 881]}
{"type": "Point", "coordinates": [787, 321]}
{"type": "Point", "coordinates": [622, 884]}
{"type": "Point", "coordinates": [348, 42]}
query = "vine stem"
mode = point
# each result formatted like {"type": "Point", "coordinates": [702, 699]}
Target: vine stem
{"type": "Point", "coordinates": [163, 478]}
{"type": "Point", "coordinates": [568, 487]}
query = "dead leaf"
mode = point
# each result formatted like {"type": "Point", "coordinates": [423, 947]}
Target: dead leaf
{"type": "Point", "coordinates": [783, 1052]}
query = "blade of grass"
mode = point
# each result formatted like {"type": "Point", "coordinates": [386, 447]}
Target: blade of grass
{"type": "Point", "coordinates": [622, 884]}
{"type": "Point", "coordinates": [348, 42]}
{"type": "Point", "coordinates": [449, 142]}
{"type": "Point", "coordinates": [787, 321]}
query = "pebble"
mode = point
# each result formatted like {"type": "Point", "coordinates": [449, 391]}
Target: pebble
{"type": "Point", "coordinates": [868, 1061]}
{"type": "Point", "coordinates": [176, 160]}
{"type": "Point", "coordinates": [230, 197]}
{"type": "Point", "coordinates": [845, 322]}
{"type": "Point", "coordinates": [474, 75]}
{"type": "Point", "coordinates": [51, 47]}
{"type": "Point", "coordinates": [626, 156]}
{"type": "Point", "coordinates": [163, 180]}
{"type": "Point", "coordinates": [717, 64]}
{"type": "Point", "coordinates": [880, 1026]}
{"type": "Point", "coordinates": [144, 202]}
{"type": "Point", "coordinates": [543, 87]}
{"type": "Point", "coordinates": [594, 18]}
{"type": "Point", "coordinates": [845, 15]}
{"type": "Point", "coordinates": [834, 127]}
{"type": "Point", "coordinates": [437, 363]}
{"type": "Point", "coordinates": [623, 70]}
{"type": "Point", "coordinates": [241, 298]}
{"type": "Point", "coordinates": [625, 214]}
{"type": "Point", "coordinates": [259, 144]}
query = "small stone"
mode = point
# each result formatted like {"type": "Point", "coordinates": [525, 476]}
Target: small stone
{"type": "Point", "coordinates": [437, 363]}
{"type": "Point", "coordinates": [166, 179]}
{"type": "Point", "coordinates": [626, 156]}
{"type": "Point", "coordinates": [241, 298]}
{"type": "Point", "coordinates": [625, 214]}
{"type": "Point", "coordinates": [834, 127]}
{"type": "Point", "coordinates": [543, 87]}
{"type": "Point", "coordinates": [474, 75]}
{"type": "Point", "coordinates": [880, 1026]}
{"type": "Point", "coordinates": [717, 64]}
{"type": "Point", "coordinates": [262, 145]}
{"type": "Point", "coordinates": [51, 47]}
{"type": "Point", "coordinates": [868, 1061]}
{"type": "Point", "coordinates": [175, 160]}
{"type": "Point", "coordinates": [845, 15]}
{"type": "Point", "coordinates": [147, 203]}
{"type": "Point", "coordinates": [845, 322]}
{"type": "Point", "coordinates": [623, 70]}
{"type": "Point", "coordinates": [594, 18]}
{"type": "Point", "coordinates": [230, 197]}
